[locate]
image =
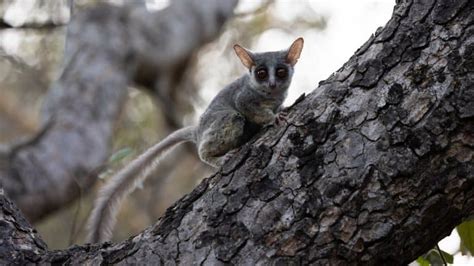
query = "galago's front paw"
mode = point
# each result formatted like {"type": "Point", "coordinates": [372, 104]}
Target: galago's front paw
{"type": "Point", "coordinates": [281, 118]}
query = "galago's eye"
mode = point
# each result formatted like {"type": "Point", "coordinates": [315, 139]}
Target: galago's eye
{"type": "Point", "coordinates": [281, 73]}
{"type": "Point", "coordinates": [262, 74]}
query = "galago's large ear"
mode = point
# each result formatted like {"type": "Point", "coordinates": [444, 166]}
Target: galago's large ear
{"type": "Point", "coordinates": [244, 55]}
{"type": "Point", "coordinates": [294, 51]}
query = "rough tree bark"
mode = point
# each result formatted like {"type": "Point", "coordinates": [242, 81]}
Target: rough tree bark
{"type": "Point", "coordinates": [375, 166]}
{"type": "Point", "coordinates": [107, 48]}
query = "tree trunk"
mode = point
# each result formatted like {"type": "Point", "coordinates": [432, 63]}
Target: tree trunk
{"type": "Point", "coordinates": [375, 166]}
{"type": "Point", "coordinates": [107, 48]}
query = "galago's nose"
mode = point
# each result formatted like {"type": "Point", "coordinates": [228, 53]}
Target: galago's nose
{"type": "Point", "coordinates": [272, 84]}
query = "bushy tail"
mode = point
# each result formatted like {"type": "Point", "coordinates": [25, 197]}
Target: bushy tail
{"type": "Point", "coordinates": [103, 216]}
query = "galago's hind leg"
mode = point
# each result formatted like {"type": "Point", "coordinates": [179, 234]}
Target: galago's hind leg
{"type": "Point", "coordinates": [223, 135]}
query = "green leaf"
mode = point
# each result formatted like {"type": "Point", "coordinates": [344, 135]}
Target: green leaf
{"type": "Point", "coordinates": [120, 155]}
{"type": "Point", "coordinates": [422, 261]}
{"type": "Point", "coordinates": [448, 257]}
{"type": "Point", "coordinates": [433, 257]}
{"type": "Point", "coordinates": [466, 233]}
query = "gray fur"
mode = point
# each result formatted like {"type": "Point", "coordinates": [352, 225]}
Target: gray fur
{"type": "Point", "coordinates": [232, 118]}
{"type": "Point", "coordinates": [103, 216]}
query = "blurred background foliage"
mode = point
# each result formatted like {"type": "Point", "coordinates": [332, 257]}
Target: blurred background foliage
{"type": "Point", "coordinates": [32, 38]}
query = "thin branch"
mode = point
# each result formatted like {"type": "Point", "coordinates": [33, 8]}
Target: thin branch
{"type": "Point", "coordinates": [256, 11]}
{"type": "Point", "coordinates": [441, 255]}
